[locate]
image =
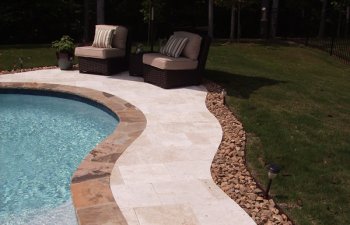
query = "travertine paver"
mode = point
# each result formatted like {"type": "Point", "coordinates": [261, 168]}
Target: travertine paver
{"type": "Point", "coordinates": [164, 175]}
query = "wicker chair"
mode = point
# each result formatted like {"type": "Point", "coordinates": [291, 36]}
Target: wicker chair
{"type": "Point", "coordinates": [175, 77]}
{"type": "Point", "coordinates": [106, 61]}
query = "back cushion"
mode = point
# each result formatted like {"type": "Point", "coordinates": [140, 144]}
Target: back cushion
{"type": "Point", "coordinates": [121, 34]}
{"type": "Point", "coordinates": [103, 38]}
{"type": "Point", "coordinates": [193, 45]}
{"type": "Point", "coordinates": [174, 46]}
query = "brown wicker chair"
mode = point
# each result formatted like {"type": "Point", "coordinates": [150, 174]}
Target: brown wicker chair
{"type": "Point", "coordinates": [171, 78]}
{"type": "Point", "coordinates": [106, 61]}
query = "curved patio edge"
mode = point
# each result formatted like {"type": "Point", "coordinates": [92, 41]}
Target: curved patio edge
{"type": "Point", "coordinates": [90, 185]}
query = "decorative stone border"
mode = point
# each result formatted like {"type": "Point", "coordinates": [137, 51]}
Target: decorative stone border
{"type": "Point", "coordinates": [229, 169]}
{"type": "Point", "coordinates": [90, 186]}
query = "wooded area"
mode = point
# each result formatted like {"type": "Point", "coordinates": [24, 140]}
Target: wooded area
{"type": "Point", "coordinates": [41, 21]}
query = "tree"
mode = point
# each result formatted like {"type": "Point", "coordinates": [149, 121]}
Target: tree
{"type": "Point", "coordinates": [232, 21]}
{"type": "Point", "coordinates": [264, 18]}
{"type": "Point", "coordinates": [152, 9]}
{"type": "Point", "coordinates": [273, 20]}
{"type": "Point", "coordinates": [235, 6]}
{"type": "Point", "coordinates": [347, 24]}
{"type": "Point", "coordinates": [211, 18]}
{"type": "Point", "coordinates": [232, 5]}
{"type": "Point", "coordinates": [342, 6]}
{"type": "Point", "coordinates": [323, 19]}
{"type": "Point", "coordinates": [86, 21]}
{"type": "Point", "coordinates": [100, 11]}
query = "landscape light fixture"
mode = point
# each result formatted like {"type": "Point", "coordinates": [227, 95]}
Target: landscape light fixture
{"type": "Point", "coordinates": [273, 170]}
{"type": "Point", "coordinates": [223, 95]}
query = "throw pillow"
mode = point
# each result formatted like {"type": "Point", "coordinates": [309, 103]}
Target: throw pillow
{"type": "Point", "coordinates": [103, 38]}
{"type": "Point", "coordinates": [174, 46]}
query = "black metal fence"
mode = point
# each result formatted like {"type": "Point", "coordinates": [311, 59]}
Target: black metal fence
{"type": "Point", "coordinates": [303, 24]}
{"type": "Point", "coordinates": [339, 47]}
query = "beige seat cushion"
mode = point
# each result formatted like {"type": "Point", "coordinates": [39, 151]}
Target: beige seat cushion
{"type": "Point", "coordinates": [99, 53]}
{"type": "Point", "coordinates": [169, 63]}
{"type": "Point", "coordinates": [193, 45]}
{"type": "Point", "coordinates": [121, 34]}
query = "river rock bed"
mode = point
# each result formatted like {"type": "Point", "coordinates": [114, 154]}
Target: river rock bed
{"type": "Point", "coordinates": [229, 170]}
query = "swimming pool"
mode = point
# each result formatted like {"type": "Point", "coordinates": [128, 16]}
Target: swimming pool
{"type": "Point", "coordinates": [43, 138]}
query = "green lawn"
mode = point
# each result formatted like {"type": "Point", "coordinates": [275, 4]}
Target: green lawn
{"type": "Point", "coordinates": [294, 103]}
{"type": "Point", "coordinates": [12, 56]}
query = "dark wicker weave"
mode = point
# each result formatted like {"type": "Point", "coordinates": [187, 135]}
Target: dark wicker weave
{"type": "Point", "coordinates": [177, 78]}
{"type": "Point", "coordinates": [170, 78]}
{"type": "Point", "coordinates": [102, 66]}
{"type": "Point", "coordinates": [135, 64]}
{"type": "Point", "coordinates": [106, 66]}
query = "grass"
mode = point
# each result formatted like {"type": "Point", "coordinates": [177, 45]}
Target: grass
{"type": "Point", "coordinates": [26, 56]}
{"type": "Point", "coordinates": [294, 103]}
{"type": "Point", "coordinates": [30, 56]}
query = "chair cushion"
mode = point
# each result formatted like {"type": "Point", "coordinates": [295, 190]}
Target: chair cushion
{"type": "Point", "coordinates": [103, 38]}
{"type": "Point", "coordinates": [174, 46]}
{"type": "Point", "coordinates": [121, 34]}
{"type": "Point", "coordinates": [193, 45]}
{"type": "Point", "coordinates": [164, 62]}
{"type": "Point", "coordinates": [99, 53]}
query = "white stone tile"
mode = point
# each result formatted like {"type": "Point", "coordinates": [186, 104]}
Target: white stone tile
{"type": "Point", "coordinates": [214, 190]}
{"type": "Point", "coordinates": [130, 216]}
{"type": "Point", "coordinates": [166, 215]}
{"type": "Point", "coordinates": [170, 153]}
{"type": "Point", "coordinates": [221, 212]}
{"type": "Point", "coordinates": [147, 173]}
{"type": "Point", "coordinates": [187, 170]}
{"type": "Point", "coordinates": [135, 195]}
{"type": "Point", "coordinates": [128, 158]}
{"type": "Point", "coordinates": [182, 192]}
{"type": "Point", "coordinates": [116, 177]}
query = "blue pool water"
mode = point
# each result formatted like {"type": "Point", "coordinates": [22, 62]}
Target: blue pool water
{"type": "Point", "coordinates": [43, 139]}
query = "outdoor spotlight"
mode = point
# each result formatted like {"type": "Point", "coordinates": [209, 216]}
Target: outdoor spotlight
{"type": "Point", "coordinates": [223, 94]}
{"type": "Point", "coordinates": [273, 170]}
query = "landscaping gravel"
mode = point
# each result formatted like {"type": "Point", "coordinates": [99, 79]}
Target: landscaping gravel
{"type": "Point", "coordinates": [229, 169]}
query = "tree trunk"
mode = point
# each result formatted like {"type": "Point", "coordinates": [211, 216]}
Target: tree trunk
{"type": "Point", "coordinates": [152, 28]}
{"type": "Point", "coordinates": [339, 23]}
{"type": "Point", "coordinates": [239, 22]}
{"type": "Point", "coordinates": [347, 24]}
{"type": "Point", "coordinates": [149, 23]}
{"type": "Point", "coordinates": [86, 21]}
{"type": "Point", "coordinates": [100, 11]}
{"type": "Point", "coordinates": [264, 19]}
{"type": "Point", "coordinates": [233, 16]}
{"type": "Point", "coordinates": [211, 19]}
{"type": "Point", "coordinates": [274, 18]}
{"type": "Point", "coordinates": [323, 19]}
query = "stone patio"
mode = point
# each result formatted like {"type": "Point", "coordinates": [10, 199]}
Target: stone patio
{"type": "Point", "coordinates": [164, 176]}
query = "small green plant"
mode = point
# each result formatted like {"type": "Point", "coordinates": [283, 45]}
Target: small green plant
{"type": "Point", "coordinates": [64, 45]}
{"type": "Point", "coordinates": [139, 48]}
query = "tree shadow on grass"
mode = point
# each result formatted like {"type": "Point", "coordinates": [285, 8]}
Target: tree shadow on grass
{"type": "Point", "coordinates": [240, 86]}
